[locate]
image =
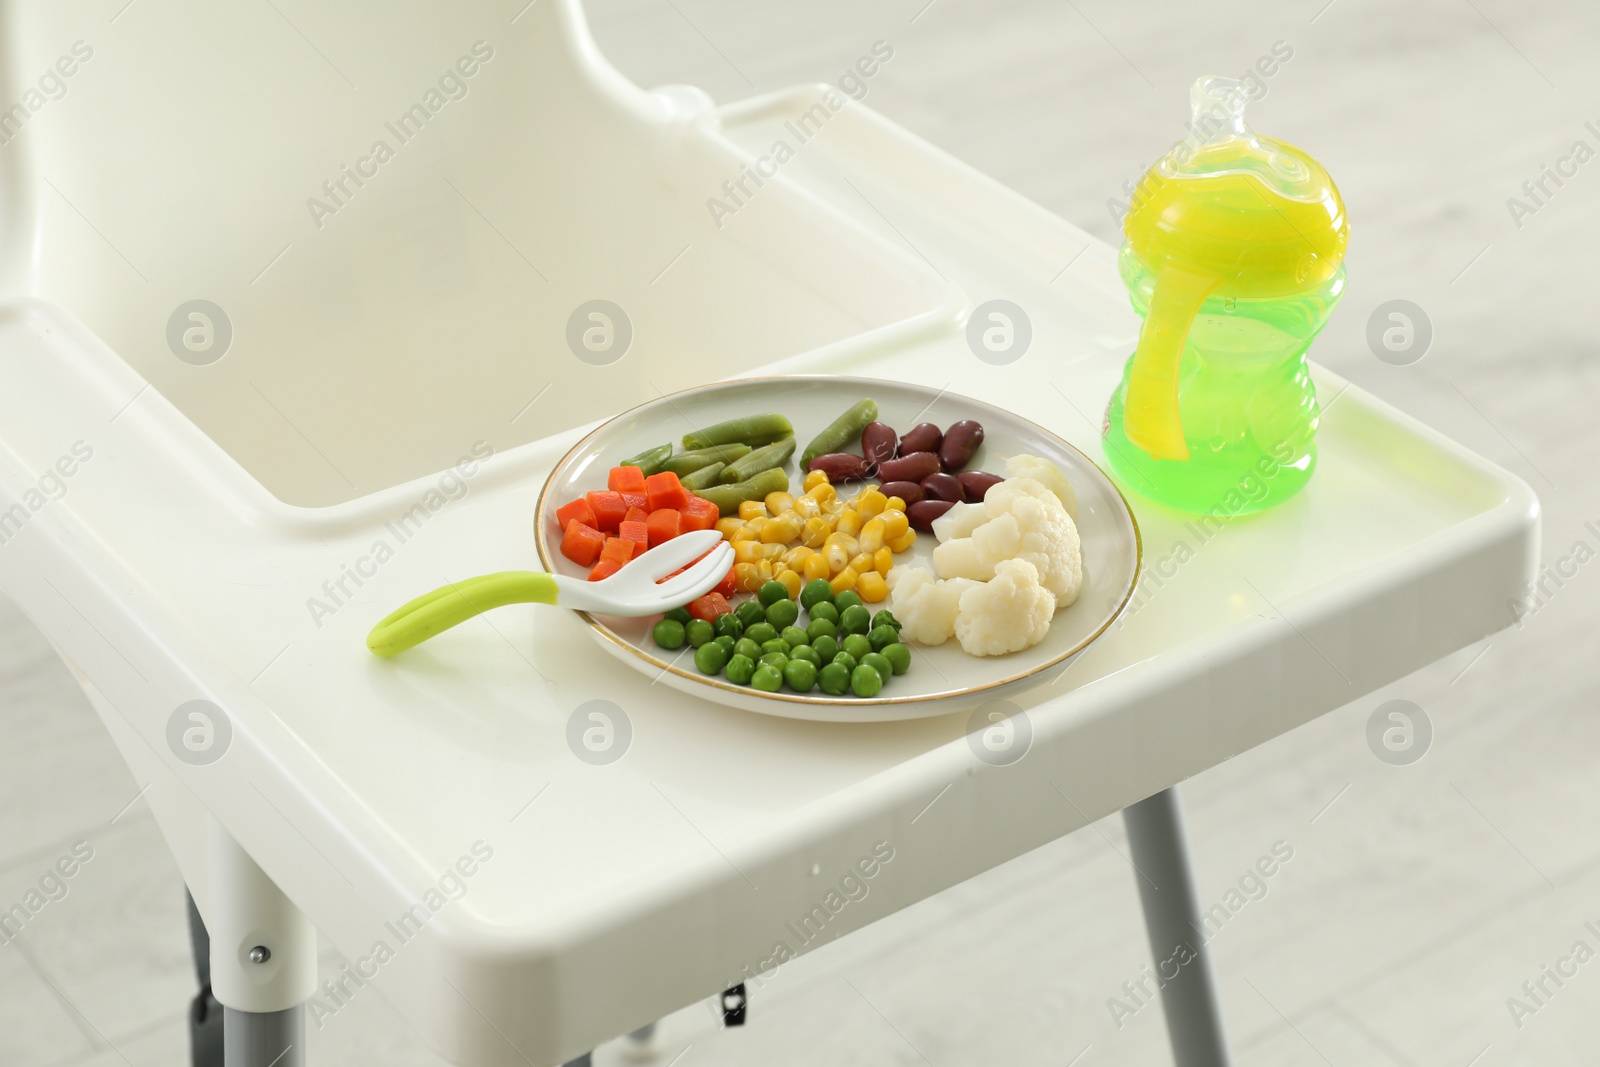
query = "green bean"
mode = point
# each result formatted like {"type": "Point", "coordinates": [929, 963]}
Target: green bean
{"type": "Point", "coordinates": [753, 430]}
{"type": "Point", "coordinates": [841, 432]}
{"type": "Point", "coordinates": [763, 458]}
{"type": "Point", "coordinates": [704, 478]}
{"type": "Point", "coordinates": [651, 460]}
{"type": "Point", "coordinates": [689, 462]}
{"type": "Point", "coordinates": [728, 497]}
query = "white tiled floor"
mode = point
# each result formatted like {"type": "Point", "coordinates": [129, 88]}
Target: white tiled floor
{"type": "Point", "coordinates": [1415, 904]}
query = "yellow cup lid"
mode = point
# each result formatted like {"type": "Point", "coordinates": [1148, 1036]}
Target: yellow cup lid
{"type": "Point", "coordinates": [1257, 214]}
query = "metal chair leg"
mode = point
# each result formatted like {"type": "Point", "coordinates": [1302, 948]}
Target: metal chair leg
{"type": "Point", "coordinates": [205, 1014]}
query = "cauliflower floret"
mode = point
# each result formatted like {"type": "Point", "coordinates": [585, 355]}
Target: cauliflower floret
{"type": "Point", "coordinates": [925, 606]}
{"type": "Point", "coordinates": [961, 558]}
{"type": "Point", "coordinates": [959, 521]}
{"type": "Point", "coordinates": [997, 501]}
{"type": "Point", "coordinates": [1008, 613]}
{"type": "Point", "coordinates": [1027, 521]}
{"type": "Point", "coordinates": [1047, 474]}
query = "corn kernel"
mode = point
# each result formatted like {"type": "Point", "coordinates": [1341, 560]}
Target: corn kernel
{"type": "Point", "coordinates": [849, 522]}
{"type": "Point", "coordinates": [796, 556]}
{"type": "Point", "coordinates": [750, 531]}
{"type": "Point", "coordinates": [779, 502]}
{"type": "Point", "coordinates": [837, 555]}
{"type": "Point", "coordinates": [872, 587]}
{"type": "Point", "coordinates": [814, 479]}
{"type": "Point", "coordinates": [873, 535]}
{"type": "Point", "coordinates": [883, 559]}
{"type": "Point", "coordinates": [746, 551]}
{"type": "Point", "coordinates": [895, 523]}
{"type": "Point", "coordinates": [861, 563]}
{"type": "Point", "coordinates": [904, 541]}
{"type": "Point", "coordinates": [791, 581]}
{"type": "Point", "coordinates": [872, 504]}
{"type": "Point", "coordinates": [807, 508]}
{"type": "Point", "coordinates": [729, 526]}
{"type": "Point", "coordinates": [745, 578]}
{"type": "Point", "coordinates": [781, 530]}
{"type": "Point", "coordinates": [895, 504]}
{"type": "Point", "coordinates": [845, 579]}
{"type": "Point", "coordinates": [752, 509]}
{"type": "Point", "coordinates": [764, 570]}
{"type": "Point", "coordinates": [816, 566]}
{"type": "Point", "coordinates": [773, 550]}
{"type": "Point", "coordinates": [816, 531]}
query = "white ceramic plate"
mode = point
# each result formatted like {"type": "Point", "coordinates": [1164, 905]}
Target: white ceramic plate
{"type": "Point", "coordinates": [942, 679]}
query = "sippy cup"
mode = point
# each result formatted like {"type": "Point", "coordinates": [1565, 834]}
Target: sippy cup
{"type": "Point", "coordinates": [1233, 256]}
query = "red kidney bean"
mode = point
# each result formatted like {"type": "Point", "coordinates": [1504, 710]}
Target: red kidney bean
{"type": "Point", "coordinates": [943, 487]}
{"type": "Point", "coordinates": [960, 442]}
{"type": "Point", "coordinates": [909, 468]}
{"type": "Point", "coordinates": [922, 513]}
{"type": "Point", "coordinates": [879, 443]}
{"type": "Point", "coordinates": [923, 437]}
{"type": "Point", "coordinates": [910, 492]}
{"type": "Point", "coordinates": [978, 483]}
{"type": "Point", "coordinates": [841, 466]}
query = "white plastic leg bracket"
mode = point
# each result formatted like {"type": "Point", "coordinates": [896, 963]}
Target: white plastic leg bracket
{"type": "Point", "coordinates": [263, 951]}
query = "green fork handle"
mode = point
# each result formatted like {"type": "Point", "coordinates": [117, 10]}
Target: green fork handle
{"type": "Point", "coordinates": [435, 612]}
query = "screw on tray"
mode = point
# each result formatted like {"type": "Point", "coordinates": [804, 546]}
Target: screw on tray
{"type": "Point", "coordinates": [734, 1005]}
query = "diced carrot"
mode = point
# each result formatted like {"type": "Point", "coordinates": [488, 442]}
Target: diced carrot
{"type": "Point", "coordinates": [636, 532]}
{"type": "Point", "coordinates": [698, 514]}
{"type": "Point", "coordinates": [664, 525]}
{"type": "Point", "coordinates": [724, 588]}
{"type": "Point", "coordinates": [626, 480]}
{"type": "Point", "coordinates": [709, 606]}
{"type": "Point", "coordinates": [604, 569]}
{"type": "Point", "coordinates": [617, 549]}
{"type": "Point", "coordinates": [576, 509]}
{"type": "Point", "coordinates": [608, 508]}
{"type": "Point", "coordinates": [665, 491]}
{"type": "Point", "coordinates": [636, 500]}
{"type": "Point", "coordinates": [582, 544]}
{"type": "Point", "coordinates": [636, 515]}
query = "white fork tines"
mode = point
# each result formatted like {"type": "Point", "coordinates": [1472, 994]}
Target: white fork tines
{"type": "Point", "coordinates": [638, 589]}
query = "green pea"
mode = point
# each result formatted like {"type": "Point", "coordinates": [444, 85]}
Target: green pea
{"type": "Point", "coordinates": [747, 648]}
{"type": "Point", "coordinates": [800, 675]}
{"type": "Point", "coordinates": [775, 659]}
{"type": "Point", "coordinates": [817, 591]}
{"type": "Point", "coordinates": [883, 635]}
{"type": "Point", "coordinates": [807, 653]}
{"type": "Point", "coordinates": [899, 657]}
{"type": "Point", "coordinates": [772, 592]}
{"type": "Point", "coordinates": [886, 618]}
{"type": "Point", "coordinates": [821, 628]}
{"type": "Point", "coordinates": [727, 643]}
{"type": "Point", "coordinates": [680, 616]}
{"type": "Point", "coordinates": [710, 657]}
{"type": "Point", "coordinates": [728, 624]}
{"type": "Point", "coordinates": [699, 632]}
{"type": "Point", "coordinates": [777, 644]}
{"type": "Point", "coordinates": [783, 613]}
{"type": "Point", "coordinates": [857, 645]}
{"type": "Point", "coordinates": [845, 660]}
{"type": "Point", "coordinates": [740, 669]}
{"type": "Point", "coordinates": [824, 609]}
{"type": "Point", "coordinates": [751, 612]}
{"type": "Point", "coordinates": [767, 678]}
{"type": "Point", "coordinates": [880, 663]}
{"type": "Point", "coordinates": [834, 679]}
{"type": "Point", "coordinates": [848, 598]}
{"type": "Point", "coordinates": [795, 636]}
{"type": "Point", "coordinates": [761, 632]}
{"type": "Point", "coordinates": [826, 647]}
{"type": "Point", "coordinates": [668, 633]}
{"type": "Point", "coordinates": [854, 619]}
{"type": "Point", "coordinates": [865, 681]}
